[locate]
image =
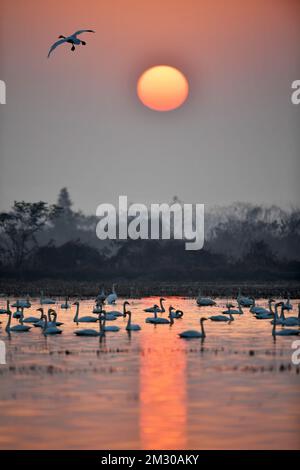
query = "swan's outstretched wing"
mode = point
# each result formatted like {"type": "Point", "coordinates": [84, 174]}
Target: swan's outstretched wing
{"type": "Point", "coordinates": [83, 31]}
{"type": "Point", "coordinates": [54, 46]}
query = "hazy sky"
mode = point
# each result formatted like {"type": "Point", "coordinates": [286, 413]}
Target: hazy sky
{"type": "Point", "coordinates": [74, 120]}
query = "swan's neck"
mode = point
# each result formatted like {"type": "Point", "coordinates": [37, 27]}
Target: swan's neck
{"type": "Point", "coordinates": [299, 312]}
{"type": "Point", "coordinates": [76, 314]}
{"type": "Point", "coordinates": [275, 322]}
{"type": "Point", "coordinates": [270, 306]}
{"type": "Point", "coordinates": [282, 316]}
{"type": "Point", "coordinates": [45, 323]}
{"type": "Point", "coordinates": [22, 316]}
{"type": "Point", "coordinates": [161, 306]}
{"type": "Point", "coordinates": [129, 320]}
{"type": "Point", "coordinates": [124, 309]}
{"type": "Point", "coordinates": [202, 328]}
{"type": "Point", "coordinates": [8, 323]}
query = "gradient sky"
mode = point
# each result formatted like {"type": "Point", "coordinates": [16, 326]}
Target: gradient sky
{"type": "Point", "coordinates": [74, 120]}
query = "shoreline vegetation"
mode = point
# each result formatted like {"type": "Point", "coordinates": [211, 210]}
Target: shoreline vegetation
{"type": "Point", "coordinates": [55, 249]}
{"type": "Point", "coordinates": [89, 289]}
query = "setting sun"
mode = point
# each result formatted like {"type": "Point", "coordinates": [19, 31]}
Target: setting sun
{"type": "Point", "coordinates": [162, 88]}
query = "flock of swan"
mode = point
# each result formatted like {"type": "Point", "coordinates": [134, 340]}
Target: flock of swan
{"type": "Point", "coordinates": [49, 324]}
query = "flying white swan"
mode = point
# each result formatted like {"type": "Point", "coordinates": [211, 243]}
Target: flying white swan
{"type": "Point", "coordinates": [87, 319]}
{"type": "Point", "coordinates": [204, 301]}
{"type": "Point", "coordinates": [17, 328]}
{"type": "Point", "coordinates": [130, 326]}
{"type": "Point", "coordinates": [155, 307]}
{"type": "Point", "coordinates": [72, 39]}
{"type": "Point", "coordinates": [50, 329]}
{"type": "Point", "coordinates": [112, 298]}
{"type": "Point", "coordinates": [223, 318]}
{"type": "Point", "coordinates": [194, 333]}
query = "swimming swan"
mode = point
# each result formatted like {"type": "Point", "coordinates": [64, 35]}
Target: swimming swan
{"type": "Point", "coordinates": [130, 326]}
{"type": "Point", "coordinates": [194, 333]}
{"type": "Point", "coordinates": [17, 328]}
{"type": "Point", "coordinates": [90, 332]}
{"type": "Point", "coordinates": [87, 319]}
{"type": "Point", "coordinates": [204, 301]}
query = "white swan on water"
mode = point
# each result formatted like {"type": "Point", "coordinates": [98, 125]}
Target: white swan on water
{"type": "Point", "coordinates": [290, 321]}
{"type": "Point", "coordinates": [283, 332]}
{"type": "Point", "coordinates": [101, 296]}
{"type": "Point", "coordinates": [131, 326]}
{"type": "Point", "coordinates": [17, 328]}
{"type": "Point", "coordinates": [233, 311]}
{"type": "Point", "coordinates": [87, 319]}
{"type": "Point", "coordinates": [34, 319]}
{"type": "Point", "coordinates": [66, 305]}
{"type": "Point", "coordinates": [3, 311]}
{"type": "Point", "coordinates": [90, 332]}
{"type": "Point", "coordinates": [72, 39]}
{"type": "Point", "coordinates": [22, 303]}
{"type": "Point", "coordinates": [110, 316]}
{"type": "Point", "coordinates": [261, 310]}
{"type": "Point", "coordinates": [117, 313]}
{"type": "Point", "coordinates": [175, 314]}
{"type": "Point", "coordinates": [45, 300]}
{"type": "Point", "coordinates": [195, 333]}
{"type": "Point", "coordinates": [287, 305]}
{"type": "Point", "coordinates": [50, 329]}
{"type": "Point", "coordinates": [222, 318]}
{"type": "Point", "coordinates": [112, 328]}
{"type": "Point", "coordinates": [244, 301]}
{"type": "Point", "coordinates": [156, 308]}
{"type": "Point", "coordinates": [157, 320]}
{"type": "Point", "coordinates": [112, 298]}
{"type": "Point", "coordinates": [204, 301]}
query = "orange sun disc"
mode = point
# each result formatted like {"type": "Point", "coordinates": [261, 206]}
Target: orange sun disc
{"type": "Point", "coordinates": [162, 88]}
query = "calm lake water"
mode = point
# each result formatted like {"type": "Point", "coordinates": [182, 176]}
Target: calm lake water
{"type": "Point", "coordinates": [151, 390]}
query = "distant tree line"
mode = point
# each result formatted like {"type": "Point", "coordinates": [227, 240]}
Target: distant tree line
{"type": "Point", "coordinates": [243, 242]}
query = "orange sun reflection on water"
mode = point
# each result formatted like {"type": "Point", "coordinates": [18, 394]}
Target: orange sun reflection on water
{"type": "Point", "coordinates": [163, 395]}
